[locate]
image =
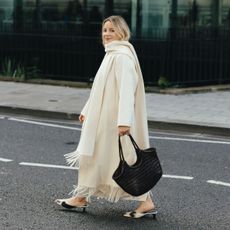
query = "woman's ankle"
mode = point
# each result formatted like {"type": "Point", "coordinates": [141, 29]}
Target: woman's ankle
{"type": "Point", "coordinates": [146, 205]}
{"type": "Point", "coordinates": [80, 199]}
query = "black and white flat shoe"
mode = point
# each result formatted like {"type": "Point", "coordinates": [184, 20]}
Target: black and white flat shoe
{"type": "Point", "coordinates": [136, 215]}
{"type": "Point", "coordinates": [62, 202]}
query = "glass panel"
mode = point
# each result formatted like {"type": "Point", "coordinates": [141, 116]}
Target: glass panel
{"type": "Point", "coordinates": [29, 12]}
{"type": "Point", "coordinates": [123, 8]}
{"type": "Point", "coordinates": [62, 16]}
{"type": "Point", "coordinates": [194, 13]}
{"type": "Point", "coordinates": [80, 17]}
{"type": "Point", "coordinates": [95, 10]}
{"type": "Point", "coordinates": [95, 15]}
{"type": "Point", "coordinates": [155, 14]}
{"type": "Point", "coordinates": [226, 13]}
{"type": "Point", "coordinates": [6, 15]}
{"type": "Point", "coordinates": [58, 10]}
{"type": "Point", "coordinates": [153, 18]}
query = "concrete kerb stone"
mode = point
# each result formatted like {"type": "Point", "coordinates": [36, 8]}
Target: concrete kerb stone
{"type": "Point", "coordinates": [38, 113]}
{"type": "Point", "coordinates": [191, 128]}
{"type": "Point", "coordinates": [188, 90]}
{"type": "Point", "coordinates": [148, 89]}
{"type": "Point", "coordinates": [153, 124]}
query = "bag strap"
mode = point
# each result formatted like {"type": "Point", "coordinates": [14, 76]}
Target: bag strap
{"type": "Point", "coordinates": [121, 155]}
{"type": "Point", "coordinates": [133, 142]}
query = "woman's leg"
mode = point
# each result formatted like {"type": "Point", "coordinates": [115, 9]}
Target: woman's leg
{"type": "Point", "coordinates": [146, 206]}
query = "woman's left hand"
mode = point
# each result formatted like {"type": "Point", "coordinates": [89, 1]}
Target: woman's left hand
{"type": "Point", "coordinates": [123, 130]}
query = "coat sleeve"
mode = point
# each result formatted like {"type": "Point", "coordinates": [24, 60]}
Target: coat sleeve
{"type": "Point", "coordinates": [85, 108]}
{"type": "Point", "coordinates": [126, 76]}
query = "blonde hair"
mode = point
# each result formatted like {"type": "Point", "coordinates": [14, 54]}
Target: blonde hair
{"type": "Point", "coordinates": [120, 26]}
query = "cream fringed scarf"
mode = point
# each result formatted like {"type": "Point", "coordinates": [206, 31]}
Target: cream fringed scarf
{"type": "Point", "coordinates": [86, 144]}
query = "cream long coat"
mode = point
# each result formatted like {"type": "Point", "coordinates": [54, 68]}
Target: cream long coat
{"type": "Point", "coordinates": [118, 96]}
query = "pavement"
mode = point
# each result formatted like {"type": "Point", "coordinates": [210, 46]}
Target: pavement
{"type": "Point", "coordinates": [205, 111]}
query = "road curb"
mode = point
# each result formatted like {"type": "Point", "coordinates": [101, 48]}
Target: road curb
{"type": "Point", "coordinates": [153, 124]}
{"type": "Point", "coordinates": [193, 128]}
{"type": "Point", "coordinates": [148, 88]}
{"type": "Point", "coordinates": [188, 90]}
{"type": "Point", "coordinates": [38, 113]}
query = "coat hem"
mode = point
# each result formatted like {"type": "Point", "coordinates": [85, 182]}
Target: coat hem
{"type": "Point", "coordinates": [110, 193]}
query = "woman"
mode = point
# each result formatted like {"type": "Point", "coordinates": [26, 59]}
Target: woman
{"type": "Point", "coordinates": [116, 106]}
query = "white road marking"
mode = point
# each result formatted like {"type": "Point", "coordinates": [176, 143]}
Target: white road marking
{"type": "Point", "coordinates": [218, 183]}
{"type": "Point", "coordinates": [46, 165]}
{"type": "Point", "coordinates": [5, 160]}
{"type": "Point", "coordinates": [190, 140]}
{"type": "Point", "coordinates": [75, 168]}
{"type": "Point", "coordinates": [191, 135]}
{"type": "Point", "coordinates": [178, 177]}
{"type": "Point", "coordinates": [44, 124]}
{"type": "Point", "coordinates": [151, 137]}
{"type": "Point", "coordinates": [68, 167]}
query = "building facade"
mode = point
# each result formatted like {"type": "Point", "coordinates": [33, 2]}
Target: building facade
{"type": "Point", "coordinates": [184, 41]}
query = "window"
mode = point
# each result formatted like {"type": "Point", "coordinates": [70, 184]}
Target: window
{"type": "Point", "coordinates": [155, 15]}
{"type": "Point", "coordinates": [61, 10]}
{"type": "Point", "coordinates": [226, 13]}
{"type": "Point", "coordinates": [6, 15]}
{"type": "Point", "coordinates": [95, 11]}
{"type": "Point", "coordinates": [194, 13]}
{"type": "Point", "coordinates": [62, 16]}
{"type": "Point", "coordinates": [149, 17]}
{"type": "Point", "coordinates": [29, 12]}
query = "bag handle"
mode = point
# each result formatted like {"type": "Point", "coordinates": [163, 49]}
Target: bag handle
{"type": "Point", "coordinates": [121, 155]}
{"type": "Point", "coordinates": [134, 143]}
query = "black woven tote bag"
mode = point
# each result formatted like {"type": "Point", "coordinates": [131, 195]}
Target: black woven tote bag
{"type": "Point", "coordinates": [143, 175]}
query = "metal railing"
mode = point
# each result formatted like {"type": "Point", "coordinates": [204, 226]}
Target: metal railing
{"type": "Point", "coordinates": [184, 57]}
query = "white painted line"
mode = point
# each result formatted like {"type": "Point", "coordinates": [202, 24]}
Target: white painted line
{"type": "Point", "coordinates": [2, 117]}
{"type": "Point", "coordinates": [46, 165]}
{"type": "Point", "coordinates": [178, 177]}
{"type": "Point", "coordinates": [218, 183]}
{"type": "Point", "coordinates": [67, 167]}
{"type": "Point", "coordinates": [5, 160]}
{"type": "Point", "coordinates": [191, 135]}
{"type": "Point", "coordinates": [190, 140]}
{"type": "Point", "coordinates": [151, 137]}
{"type": "Point", "coordinates": [44, 124]}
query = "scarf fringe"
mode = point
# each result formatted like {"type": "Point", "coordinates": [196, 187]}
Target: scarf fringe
{"type": "Point", "coordinates": [72, 159]}
{"type": "Point", "coordinates": [107, 192]}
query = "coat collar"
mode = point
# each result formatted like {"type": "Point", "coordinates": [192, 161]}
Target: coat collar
{"type": "Point", "coordinates": [117, 45]}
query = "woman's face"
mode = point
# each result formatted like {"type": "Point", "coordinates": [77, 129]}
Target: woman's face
{"type": "Point", "coordinates": [108, 33]}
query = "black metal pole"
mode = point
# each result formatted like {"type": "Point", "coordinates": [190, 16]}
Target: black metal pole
{"type": "Point", "coordinates": [37, 15]}
{"type": "Point", "coordinates": [18, 16]}
{"type": "Point", "coordinates": [138, 20]}
{"type": "Point", "coordinates": [108, 8]}
{"type": "Point", "coordinates": [215, 13]}
{"type": "Point", "coordinates": [174, 14]}
{"type": "Point", "coordinates": [173, 20]}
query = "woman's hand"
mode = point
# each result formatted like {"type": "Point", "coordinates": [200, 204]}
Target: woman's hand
{"type": "Point", "coordinates": [123, 130]}
{"type": "Point", "coordinates": [81, 118]}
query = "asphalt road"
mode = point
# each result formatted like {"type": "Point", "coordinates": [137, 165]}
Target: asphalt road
{"type": "Point", "coordinates": [193, 194]}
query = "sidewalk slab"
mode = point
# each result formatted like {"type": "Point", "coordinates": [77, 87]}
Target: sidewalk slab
{"type": "Point", "coordinates": [203, 112]}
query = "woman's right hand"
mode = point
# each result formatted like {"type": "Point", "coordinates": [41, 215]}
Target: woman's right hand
{"type": "Point", "coordinates": [81, 118]}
